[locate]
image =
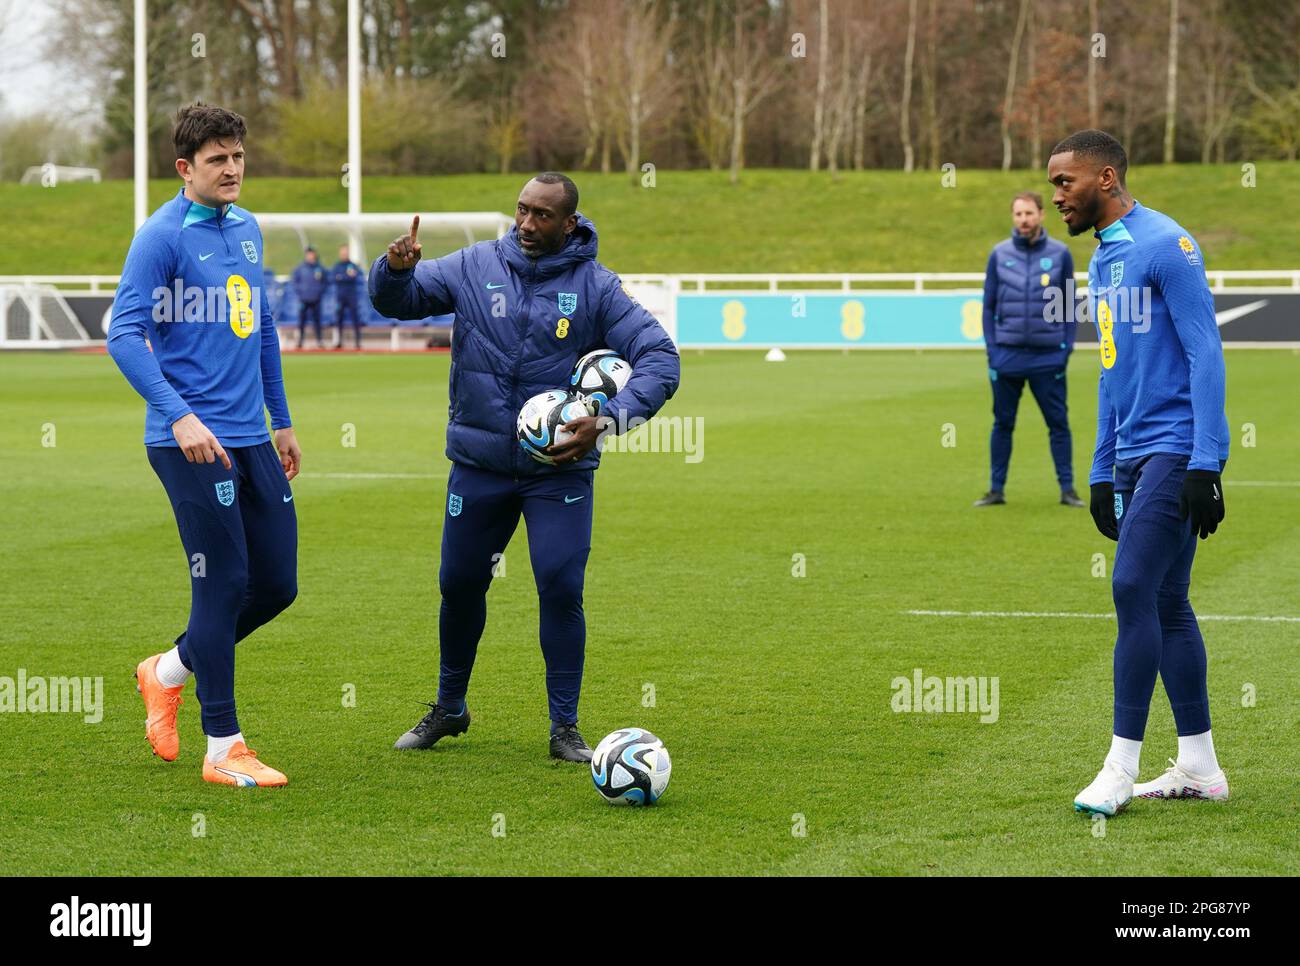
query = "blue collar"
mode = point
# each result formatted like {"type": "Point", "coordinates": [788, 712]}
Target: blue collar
{"type": "Point", "coordinates": [197, 212]}
{"type": "Point", "coordinates": [1117, 230]}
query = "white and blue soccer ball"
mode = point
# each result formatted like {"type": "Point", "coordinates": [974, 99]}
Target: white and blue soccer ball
{"type": "Point", "coordinates": [600, 375]}
{"type": "Point", "coordinates": [540, 420]}
{"type": "Point", "coordinates": [631, 767]}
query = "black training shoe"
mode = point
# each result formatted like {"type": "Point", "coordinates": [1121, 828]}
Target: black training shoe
{"type": "Point", "coordinates": [434, 725]}
{"type": "Point", "coordinates": [991, 498]}
{"type": "Point", "coordinates": [568, 745]}
{"type": "Point", "coordinates": [1070, 498]}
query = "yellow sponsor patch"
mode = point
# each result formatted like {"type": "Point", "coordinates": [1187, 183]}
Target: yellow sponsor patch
{"type": "Point", "coordinates": [240, 297]}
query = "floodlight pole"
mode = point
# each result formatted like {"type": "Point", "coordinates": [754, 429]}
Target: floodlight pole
{"type": "Point", "coordinates": [354, 107]}
{"type": "Point", "coordinates": [141, 119]}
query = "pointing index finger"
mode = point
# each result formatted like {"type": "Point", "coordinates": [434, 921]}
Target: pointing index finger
{"type": "Point", "coordinates": [415, 226]}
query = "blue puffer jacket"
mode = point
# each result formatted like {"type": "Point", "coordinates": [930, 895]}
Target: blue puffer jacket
{"type": "Point", "coordinates": [521, 324]}
{"type": "Point", "coordinates": [1018, 337]}
{"type": "Point", "coordinates": [348, 288]}
{"type": "Point", "coordinates": [309, 282]}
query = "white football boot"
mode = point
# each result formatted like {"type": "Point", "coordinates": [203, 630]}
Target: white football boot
{"type": "Point", "coordinates": [1177, 783]}
{"type": "Point", "coordinates": [1109, 792]}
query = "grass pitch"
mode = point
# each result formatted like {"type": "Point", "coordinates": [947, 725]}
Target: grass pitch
{"type": "Point", "coordinates": [771, 691]}
{"type": "Point", "coordinates": [794, 221]}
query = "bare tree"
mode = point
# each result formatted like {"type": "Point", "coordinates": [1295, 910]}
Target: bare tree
{"type": "Point", "coordinates": [1012, 65]}
{"type": "Point", "coordinates": [575, 62]}
{"type": "Point", "coordinates": [930, 86]}
{"type": "Point", "coordinates": [1215, 98]}
{"type": "Point", "coordinates": [1094, 27]}
{"type": "Point", "coordinates": [755, 73]}
{"type": "Point", "coordinates": [708, 70]}
{"type": "Point", "coordinates": [819, 99]}
{"type": "Point", "coordinates": [861, 89]}
{"type": "Point", "coordinates": [1035, 128]}
{"type": "Point", "coordinates": [402, 10]}
{"type": "Point", "coordinates": [1171, 85]}
{"type": "Point", "coordinates": [843, 105]}
{"type": "Point", "coordinates": [1274, 119]}
{"type": "Point", "coordinates": [278, 22]}
{"type": "Point", "coordinates": [905, 112]}
{"type": "Point", "coordinates": [640, 82]}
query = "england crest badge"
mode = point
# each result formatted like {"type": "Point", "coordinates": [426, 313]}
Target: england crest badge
{"type": "Point", "coordinates": [453, 504]}
{"type": "Point", "coordinates": [1116, 273]}
{"type": "Point", "coordinates": [568, 302]}
{"type": "Point", "coordinates": [250, 250]}
{"type": "Point", "coordinates": [226, 492]}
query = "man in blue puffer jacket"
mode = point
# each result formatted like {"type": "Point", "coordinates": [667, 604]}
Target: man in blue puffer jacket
{"type": "Point", "coordinates": [527, 306]}
{"type": "Point", "coordinates": [1026, 275]}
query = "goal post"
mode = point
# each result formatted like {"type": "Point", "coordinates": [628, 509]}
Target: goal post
{"type": "Point", "coordinates": [38, 317]}
{"type": "Point", "coordinates": [286, 235]}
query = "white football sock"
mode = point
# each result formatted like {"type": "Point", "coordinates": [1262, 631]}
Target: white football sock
{"type": "Point", "coordinates": [171, 672]}
{"type": "Point", "coordinates": [1196, 755]}
{"type": "Point", "coordinates": [219, 748]}
{"type": "Point", "coordinates": [1125, 754]}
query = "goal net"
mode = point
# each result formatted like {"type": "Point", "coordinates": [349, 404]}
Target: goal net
{"type": "Point", "coordinates": [38, 317]}
{"type": "Point", "coordinates": [286, 235]}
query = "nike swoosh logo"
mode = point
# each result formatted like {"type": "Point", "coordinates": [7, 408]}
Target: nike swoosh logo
{"type": "Point", "coordinates": [572, 499]}
{"type": "Point", "coordinates": [204, 258]}
{"type": "Point", "coordinates": [288, 498]}
{"type": "Point", "coordinates": [498, 285]}
{"type": "Point", "coordinates": [1215, 488]}
{"type": "Point", "coordinates": [1227, 315]}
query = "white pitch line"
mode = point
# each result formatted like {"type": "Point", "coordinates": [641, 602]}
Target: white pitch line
{"type": "Point", "coordinates": [1110, 617]}
{"type": "Point", "coordinates": [372, 476]}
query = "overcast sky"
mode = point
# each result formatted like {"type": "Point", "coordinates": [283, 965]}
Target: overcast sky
{"type": "Point", "coordinates": [28, 82]}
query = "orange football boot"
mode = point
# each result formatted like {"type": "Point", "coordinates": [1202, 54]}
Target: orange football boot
{"type": "Point", "coordinates": [160, 704]}
{"type": "Point", "coordinates": [241, 768]}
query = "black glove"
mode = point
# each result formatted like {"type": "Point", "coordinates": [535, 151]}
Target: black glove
{"type": "Point", "coordinates": [1103, 509]}
{"type": "Point", "coordinates": [1202, 500]}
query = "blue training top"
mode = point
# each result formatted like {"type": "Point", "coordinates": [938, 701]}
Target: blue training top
{"type": "Point", "coordinates": [1162, 372]}
{"type": "Point", "coordinates": [185, 287]}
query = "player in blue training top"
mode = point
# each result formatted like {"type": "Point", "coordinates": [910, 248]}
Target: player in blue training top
{"type": "Point", "coordinates": [1162, 441]}
{"type": "Point", "coordinates": [197, 341]}
{"type": "Point", "coordinates": [527, 306]}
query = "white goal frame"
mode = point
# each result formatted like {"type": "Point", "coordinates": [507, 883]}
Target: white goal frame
{"type": "Point", "coordinates": [60, 330]}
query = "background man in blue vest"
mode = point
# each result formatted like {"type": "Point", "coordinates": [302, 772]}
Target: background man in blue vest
{"type": "Point", "coordinates": [1023, 274]}
{"type": "Point", "coordinates": [309, 283]}
{"type": "Point", "coordinates": [349, 282]}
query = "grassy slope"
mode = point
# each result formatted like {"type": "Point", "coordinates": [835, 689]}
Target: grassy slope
{"type": "Point", "coordinates": [773, 693]}
{"type": "Point", "coordinates": [695, 221]}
